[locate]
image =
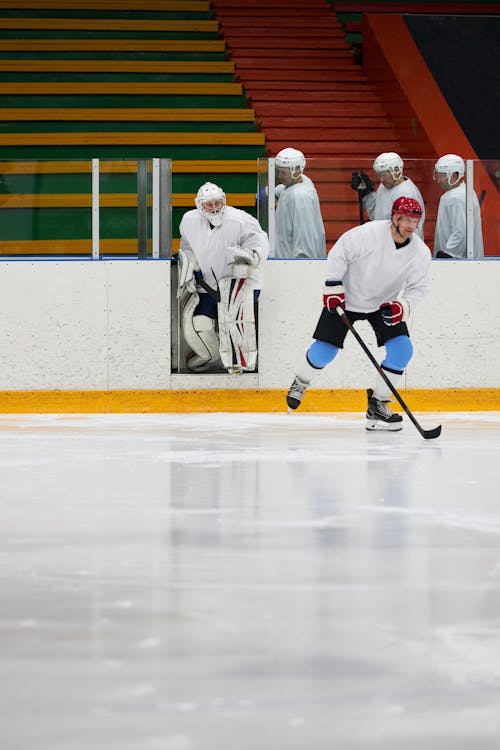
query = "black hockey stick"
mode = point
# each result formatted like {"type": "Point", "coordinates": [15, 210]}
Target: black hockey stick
{"type": "Point", "coordinates": [427, 434]}
{"type": "Point", "coordinates": [214, 293]}
{"type": "Point", "coordinates": [361, 187]}
{"type": "Point", "coordinates": [360, 205]}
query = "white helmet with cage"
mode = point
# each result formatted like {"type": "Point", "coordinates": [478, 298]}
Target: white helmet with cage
{"type": "Point", "coordinates": [389, 162]}
{"type": "Point", "coordinates": [291, 158]}
{"type": "Point", "coordinates": [449, 164]}
{"type": "Point", "coordinates": [211, 203]}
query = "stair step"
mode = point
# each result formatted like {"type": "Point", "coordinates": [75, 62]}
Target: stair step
{"type": "Point", "coordinates": [335, 63]}
{"type": "Point", "coordinates": [306, 22]}
{"type": "Point", "coordinates": [305, 95]}
{"type": "Point", "coordinates": [328, 108]}
{"type": "Point", "coordinates": [284, 5]}
{"type": "Point", "coordinates": [334, 149]}
{"type": "Point", "coordinates": [294, 42]}
{"type": "Point", "coordinates": [317, 135]}
{"type": "Point", "coordinates": [319, 51]}
{"type": "Point", "coordinates": [312, 79]}
{"type": "Point", "coordinates": [318, 121]}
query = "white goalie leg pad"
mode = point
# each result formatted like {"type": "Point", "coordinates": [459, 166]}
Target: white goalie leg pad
{"type": "Point", "coordinates": [200, 335]}
{"type": "Point", "coordinates": [237, 334]}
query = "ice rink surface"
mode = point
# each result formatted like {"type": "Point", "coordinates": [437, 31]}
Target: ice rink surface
{"type": "Point", "coordinates": [249, 582]}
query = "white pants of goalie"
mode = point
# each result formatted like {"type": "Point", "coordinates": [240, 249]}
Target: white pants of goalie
{"type": "Point", "coordinates": [237, 334]}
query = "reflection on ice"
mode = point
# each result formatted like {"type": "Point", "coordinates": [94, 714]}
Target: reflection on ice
{"type": "Point", "coordinates": [203, 582]}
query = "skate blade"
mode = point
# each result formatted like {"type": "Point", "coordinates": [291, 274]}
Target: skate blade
{"type": "Point", "coordinates": [376, 425]}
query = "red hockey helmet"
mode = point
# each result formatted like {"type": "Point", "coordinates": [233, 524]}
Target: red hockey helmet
{"type": "Point", "coordinates": [407, 207]}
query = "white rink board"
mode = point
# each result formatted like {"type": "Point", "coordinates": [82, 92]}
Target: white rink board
{"type": "Point", "coordinates": [105, 325]}
{"type": "Point", "coordinates": [84, 325]}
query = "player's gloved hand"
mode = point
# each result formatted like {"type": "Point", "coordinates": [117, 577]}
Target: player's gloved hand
{"type": "Point", "coordinates": [362, 183]}
{"type": "Point", "coordinates": [394, 312]}
{"type": "Point", "coordinates": [241, 262]}
{"type": "Point", "coordinates": [442, 254]}
{"type": "Point", "coordinates": [333, 295]}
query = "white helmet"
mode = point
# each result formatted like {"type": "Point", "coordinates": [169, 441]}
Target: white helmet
{"type": "Point", "coordinates": [448, 165]}
{"type": "Point", "coordinates": [208, 194]}
{"type": "Point", "coordinates": [389, 162]}
{"type": "Point", "coordinates": [291, 158]}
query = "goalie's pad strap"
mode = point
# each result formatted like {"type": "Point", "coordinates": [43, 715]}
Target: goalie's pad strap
{"type": "Point", "coordinates": [237, 334]}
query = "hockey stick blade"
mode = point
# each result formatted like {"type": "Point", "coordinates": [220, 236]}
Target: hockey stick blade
{"type": "Point", "coordinates": [427, 434]}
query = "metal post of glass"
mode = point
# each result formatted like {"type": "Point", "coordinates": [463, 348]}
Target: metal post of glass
{"type": "Point", "coordinates": [165, 208]}
{"type": "Point", "coordinates": [142, 209]}
{"type": "Point", "coordinates": [469, 205]}
{"type": "Point", "coordinates": [95, 210]}
{"type": "Point", "coordinates": [271, 225]}
{"type": "Point", "coordinates": [156, 207]}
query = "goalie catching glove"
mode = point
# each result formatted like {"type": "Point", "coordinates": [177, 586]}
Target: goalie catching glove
{"type": "Point", "coordinates": [394, 312]}
{"type": "Point", "coordinates": [333, 295]}
{"type": "Point", "coordinates": [242, 262]}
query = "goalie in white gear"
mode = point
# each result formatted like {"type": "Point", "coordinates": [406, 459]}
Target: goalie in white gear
{"type": "Point", "coordinates": [377, 203]}
{"type": "Point", "coordinates": [220, 253]}
{"type": "Point", "coordinates": [450, 237]}
{"type": "Point", "coordinates": [300, 232]}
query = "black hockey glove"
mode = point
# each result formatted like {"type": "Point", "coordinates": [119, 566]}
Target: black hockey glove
{"type": "Point", "coordinates": [442, 254]}
{"type": "Point", "coordinates": [362, 183]}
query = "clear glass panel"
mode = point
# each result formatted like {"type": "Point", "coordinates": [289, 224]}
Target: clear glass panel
{"type": "Point", "coordinates": [487, 189]}
{"type": "Point", "coordinates": [46, 208]}
{"type": "Point", "coordinates": [341, 208]}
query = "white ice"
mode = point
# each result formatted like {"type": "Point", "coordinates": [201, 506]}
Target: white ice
{"type": "Point", "coordinates": [249, 582]}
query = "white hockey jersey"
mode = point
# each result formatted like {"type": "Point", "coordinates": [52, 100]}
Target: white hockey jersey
{"type": "Point", "coordinates": [209, 244]}
{"type": "Point", "coordinates": [378, 204]}
{"type": "Point", "coordinates": [373, 270]}
{"type": "Point", "coordinates": [300, 232]}
{"type": "Point", "coordinates": [451, 224]}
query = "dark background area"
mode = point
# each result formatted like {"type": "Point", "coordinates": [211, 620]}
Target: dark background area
{"type": "Point", "coordinates": [463, 55]}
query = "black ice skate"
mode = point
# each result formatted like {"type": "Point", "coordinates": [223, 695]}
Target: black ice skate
{"type": "Point", "coordinates": [379, 416]}
{"type": "Point", "coordinates": [296, 392]}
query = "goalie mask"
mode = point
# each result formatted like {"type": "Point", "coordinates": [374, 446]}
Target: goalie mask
{"type": "Point", "coordinates": [389, 162]}
{"type": "Point", "coordinates": [292, 159]}
{"type": "Point", "coordinates": [449, 165]}
{"type": "Point", "coordinates": [211, 203]}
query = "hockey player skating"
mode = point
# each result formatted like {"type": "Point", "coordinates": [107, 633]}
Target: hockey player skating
{"type": "Point", "coordinates": [220, 252]}
{"type": "Point", "coordinates": [450, 238]}
{"type": "Point", "coordinates": [377, 272]}
{"type": "Point", "coordinates": [388, 167]}
{"type": "Point", "coordinates": [300, 232]}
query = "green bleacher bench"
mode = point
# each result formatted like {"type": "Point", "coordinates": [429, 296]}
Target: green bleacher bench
{"type": "Point", "coordinates": [186, 6]}
{"type": "Point", "coordinates": [187, 114]}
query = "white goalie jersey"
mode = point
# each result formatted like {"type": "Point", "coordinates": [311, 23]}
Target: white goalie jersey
{"type": "Point", "coordinates": [210, 244]}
